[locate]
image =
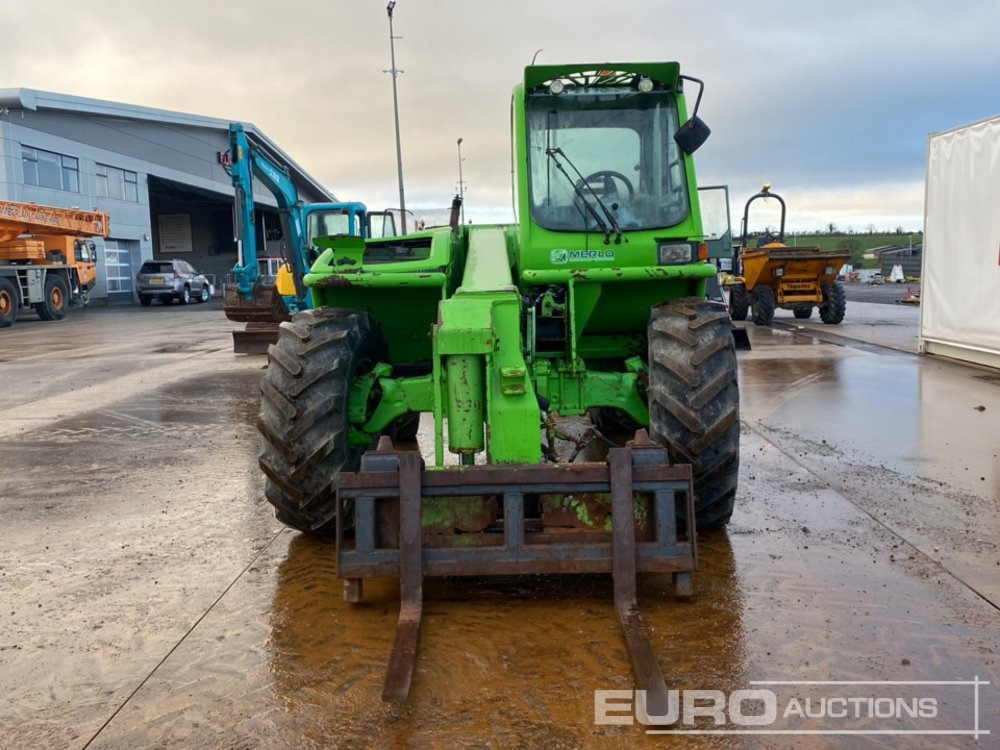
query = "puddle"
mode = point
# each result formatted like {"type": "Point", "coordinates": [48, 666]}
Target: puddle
{"type": "Point", "coordinates": [150, 599]}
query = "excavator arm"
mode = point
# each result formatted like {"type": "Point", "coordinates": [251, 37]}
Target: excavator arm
{"type": "Point", "coordinates": [256, 301]}
{"type": "Point", "coordinates": [250, 161]}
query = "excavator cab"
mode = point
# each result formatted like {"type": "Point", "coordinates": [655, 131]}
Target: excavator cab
{"type": "Point", "coordinates": [346, 218]}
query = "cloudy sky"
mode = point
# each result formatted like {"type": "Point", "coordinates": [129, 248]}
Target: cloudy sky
{"type": "Point", "coordinates": [830, 102]}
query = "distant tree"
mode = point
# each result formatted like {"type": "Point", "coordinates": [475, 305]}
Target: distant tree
{"type": "Point", "coordinates": [899, 230]}
{"type": "Point", "coordinates": [855, 248]}
{"type": "Point", "coordinates": [831, 228]}
{"type": "Point", "coordinates": [871, 229]}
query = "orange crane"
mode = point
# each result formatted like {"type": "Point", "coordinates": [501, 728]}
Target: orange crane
{"type": "Point", "coordinates": [47, 261]}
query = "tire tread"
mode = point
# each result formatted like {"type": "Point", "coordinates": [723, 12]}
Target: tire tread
{"type": "Point", "coordinates": [694, 400]}
{"type": "Point", "coordinates": [304, 422]}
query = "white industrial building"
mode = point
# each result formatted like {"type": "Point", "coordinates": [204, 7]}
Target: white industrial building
{"type": "Point", "coordinates": [959, 304]}
{"type": "Point", "coordinates": [160, 175]}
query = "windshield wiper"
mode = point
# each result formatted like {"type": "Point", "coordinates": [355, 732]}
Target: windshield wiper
{"type": "Point", "coordinates": [610, 216]}
{"type": "Point", "coordinates": [551, 153]}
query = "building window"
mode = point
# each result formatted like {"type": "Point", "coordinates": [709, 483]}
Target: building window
{"type": "Point", "coordinates": [51, 170]}
{"type": "Point", "coordinates": [131, 186]}
{"type": "Point", "coordinates": [117, 183]}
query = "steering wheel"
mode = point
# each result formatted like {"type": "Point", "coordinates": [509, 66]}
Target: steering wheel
{"type": "Point", "coordinates": [603, 183]}
{"type": "Point", "coordinates": [766, 238]}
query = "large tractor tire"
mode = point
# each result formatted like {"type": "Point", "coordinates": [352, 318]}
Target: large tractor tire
{"type": "Point", "coordinates": [762, 300]}
{"type": "Point", "coordinates": [53, 307]}
{"type": "Point", "coordinates": [8, 302]}
{"type": "Point", "coordinates": [739, 302]}
{"type": "Point", "coordinates": [304, 411]}
{"type": "Point", "coordinates": [835, 303]}
{"type": "Point", "coordinates": [694, 400]}
{"type": "Point", "coordinates": [802, 312]}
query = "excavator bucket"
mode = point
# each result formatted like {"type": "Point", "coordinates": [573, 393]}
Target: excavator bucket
{"type": "Point", "coordinates": [263, 312]}
{"type": "Point", "coordinates": [255, 338]}
{"type": "Point", "coordinates": [498, 526]}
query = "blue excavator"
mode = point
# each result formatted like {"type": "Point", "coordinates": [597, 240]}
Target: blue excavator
{"type": "Point", "coordinates": [263, 291]}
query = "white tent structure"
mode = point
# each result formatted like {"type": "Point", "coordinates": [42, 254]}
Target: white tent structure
{"type": "Point", "coordinates": [960, 282]}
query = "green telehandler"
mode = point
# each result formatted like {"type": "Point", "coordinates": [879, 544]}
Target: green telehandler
{"type": "Point", "coordinates": [594, 302]}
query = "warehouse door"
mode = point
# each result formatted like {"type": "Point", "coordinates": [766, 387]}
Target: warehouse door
{"type": "Point", "coordinates": [118, 269]}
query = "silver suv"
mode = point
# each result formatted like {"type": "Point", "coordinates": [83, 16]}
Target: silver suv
{"type": "Point", "coordinates": [168, 280]}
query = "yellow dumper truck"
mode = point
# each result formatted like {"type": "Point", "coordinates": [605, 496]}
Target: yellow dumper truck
{"type": "Point", "coordinates": [772, 275]}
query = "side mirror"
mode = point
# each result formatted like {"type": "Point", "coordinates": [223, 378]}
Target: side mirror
{"type": "Point", "coordinates": [692, 134]}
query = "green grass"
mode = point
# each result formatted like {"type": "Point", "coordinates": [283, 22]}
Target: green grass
{"type": "Point", "coordinates": [867, 241]}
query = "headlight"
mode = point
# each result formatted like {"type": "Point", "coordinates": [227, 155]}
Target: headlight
{"type": "Point", "coordinates": [674, 253]}
{"type": "Point", "coordinates": [645, 84]}
{"type": "Point", "coordinates": [556, 87]}
{"type": "Point", "coordinates": [779, 272]}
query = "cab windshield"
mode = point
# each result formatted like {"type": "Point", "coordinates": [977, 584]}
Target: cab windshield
{"type": "Point", "coordinates": [616, 147]}
{"type": "Point", "coordinates": [325, 223]}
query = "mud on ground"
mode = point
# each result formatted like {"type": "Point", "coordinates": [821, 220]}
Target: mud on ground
{"type": "Point", "coordinates": [149, 598]}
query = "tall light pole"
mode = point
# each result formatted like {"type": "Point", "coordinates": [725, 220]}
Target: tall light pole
{"type": "Point", "coordinates": [461, 182]}
{"type": "Point", "coordinates": [395, 107]}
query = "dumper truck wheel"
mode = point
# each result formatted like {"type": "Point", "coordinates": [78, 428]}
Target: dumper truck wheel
{"type": "Point", "coordinates": [8, 303]}
{"type": "Point", "coordinates": [694, 400]}
{"type": "Point", "coordinates": [835, 303]}
{"type": "Point", "coordinates": [802, 312]}
{"type": "Point", "coordinates": [762, 299]}
{"type": "Point", "coordinates": [739, 303]}
{"type": "Point", "coordinates": [304, 417]}
{"type": "Point", "coordinates": [53, 307]}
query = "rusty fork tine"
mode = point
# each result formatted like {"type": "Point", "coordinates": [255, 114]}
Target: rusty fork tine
{"type": "Point", "coordinates": [400, 480]}
{"type": "Point", "coordinates": [645, 664]}
{"type": "Point", "coordinates": [399, 674]}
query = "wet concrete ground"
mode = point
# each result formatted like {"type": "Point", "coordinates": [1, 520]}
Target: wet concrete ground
{"type": "Point", "coordinates": [887, 293]}
{"type": "Point", "coordinates": [149, 599]}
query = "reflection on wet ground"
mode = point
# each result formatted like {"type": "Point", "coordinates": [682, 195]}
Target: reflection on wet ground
{"type": "Point", "coordinates": [910, 441]}
{"type": "Point", "coordinates": [508, 662]}
{"type": "Point", "coordinates": [151, 600]}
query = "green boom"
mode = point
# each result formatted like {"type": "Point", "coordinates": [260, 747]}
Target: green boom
{"type": "Point", "coordinates": [593, 303]}
{"type": "Point", "coordinates": [492, 328]}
